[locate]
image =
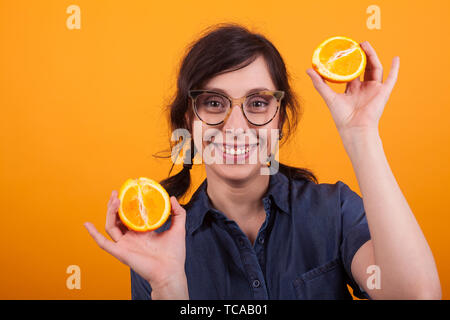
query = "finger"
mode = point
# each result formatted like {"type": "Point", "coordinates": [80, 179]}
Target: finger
{"type": "Point", "coordinates": [393, 74]}
{"type": "Point", "coordinates": [110, 199]}
{"type": "Point", "coordinates": [374, 68]}
{"type": "Point", "coordinates": [353, 86]}
{"type": "Point", "coordinates": [324, 90]}
{"type": "Point", "coordinates": [112, 219]}
{"type": "Point", "coordinates": [123, 228]}
{"type": "Point", "coordinates": [178, 214]}
{"type": "Point", "coordinates": [102, 242]}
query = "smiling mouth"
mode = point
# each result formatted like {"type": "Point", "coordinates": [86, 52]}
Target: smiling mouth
{"type": "Point", "coordinates": [235, 150]}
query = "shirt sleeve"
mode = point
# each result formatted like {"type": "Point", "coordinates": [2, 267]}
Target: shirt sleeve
{"type": "Point", "coordinates": [140, 288]}
{"type": "Point", "coordinates": [355, 232]}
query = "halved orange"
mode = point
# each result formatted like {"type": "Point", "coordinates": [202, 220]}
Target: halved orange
{"type": "Point", "coordinates": [339, 59]}
{"type": "Point", "coordinates": [144, 204]}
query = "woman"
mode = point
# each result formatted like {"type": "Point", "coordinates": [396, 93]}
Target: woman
{"type": "Point", "coordinates": [247, 235]}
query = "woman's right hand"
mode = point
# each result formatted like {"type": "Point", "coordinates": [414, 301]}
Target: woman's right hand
{"type": "Point", "coordinates": [157, 257]}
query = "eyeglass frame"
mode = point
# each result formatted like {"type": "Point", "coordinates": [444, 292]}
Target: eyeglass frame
{"type": "Point", "coordinates": [278, 94]}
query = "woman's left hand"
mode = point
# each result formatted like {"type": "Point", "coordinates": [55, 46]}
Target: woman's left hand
{"type": "Point", "coordinates": [362, 104]}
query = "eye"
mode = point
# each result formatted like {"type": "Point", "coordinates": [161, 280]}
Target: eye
{"type": "Point", "coordinates": [258, 104]}
{"type": "Point", "coordinates": [213, 103]}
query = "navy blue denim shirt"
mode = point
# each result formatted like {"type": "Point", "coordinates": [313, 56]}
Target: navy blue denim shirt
{"type": "Point", "coordinates": [303, 250]}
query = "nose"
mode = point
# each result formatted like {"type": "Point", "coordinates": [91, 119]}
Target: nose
{"type": "Point", "coordinates": [236, 119]}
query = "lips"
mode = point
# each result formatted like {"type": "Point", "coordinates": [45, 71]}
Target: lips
{"type": "Point", "coordinates": [235, 149]}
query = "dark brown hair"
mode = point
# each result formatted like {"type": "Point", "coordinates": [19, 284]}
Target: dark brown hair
{"type": "Point", "coordinates": [223, 48]}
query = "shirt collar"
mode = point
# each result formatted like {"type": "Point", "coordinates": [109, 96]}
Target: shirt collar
{"type": "Point", "coordinates": [197, 207]}
{"type": "Point", "coordinates": [200, 204]}
{"type": "Point", "coordinates": [279, 186]}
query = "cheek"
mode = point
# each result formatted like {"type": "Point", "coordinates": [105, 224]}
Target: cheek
{"type": "Point", "coordinates": [271, 132]}
{"type": "Point", "coordinates": [198, 129]}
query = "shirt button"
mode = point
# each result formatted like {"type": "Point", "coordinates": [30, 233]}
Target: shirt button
{"type": "Point", "coordinates": [241, 242]}
{"type": "Point", "coordinates": [256, 283]}
{"type": "Point", "coordinates": [261, 239]}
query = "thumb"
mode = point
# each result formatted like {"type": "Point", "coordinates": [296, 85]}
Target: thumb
{"type": "Point", "coordinates": [178, 214]}
{"type": "Point", "coordinates": [321, 86]}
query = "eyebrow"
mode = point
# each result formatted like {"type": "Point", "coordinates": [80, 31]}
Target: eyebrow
{"type": "Point", "coordinates": [248, 92]}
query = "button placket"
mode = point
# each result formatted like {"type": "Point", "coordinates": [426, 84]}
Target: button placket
{"type": "Point", "coordinates": [261, 239]}
{"type": "Point", "coordinates": [251, 257]}
{"type": "Point", "coordinates": [261, 235]}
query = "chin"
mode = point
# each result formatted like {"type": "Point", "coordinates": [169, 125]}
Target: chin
{"type": "Point", "coordinates": [236, 172]}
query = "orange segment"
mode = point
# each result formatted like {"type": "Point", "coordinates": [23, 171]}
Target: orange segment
{"type": "Point", "coordinates": [144, 204]}
{"type": "Point", "coordinates": [339, 59]}
{"type": "Point", "coordinates": [131, 207]}
{"type": "Point", "coordinates": [153, 199]}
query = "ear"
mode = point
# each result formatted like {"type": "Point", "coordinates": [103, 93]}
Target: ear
{"type": "Point", "coordinates": [281, 119]}
{"type": "Point", "coordinates": [280, 126]}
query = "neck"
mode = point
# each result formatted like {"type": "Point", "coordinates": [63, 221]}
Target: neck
{"type": "Point", "coordinates": [238, 200]}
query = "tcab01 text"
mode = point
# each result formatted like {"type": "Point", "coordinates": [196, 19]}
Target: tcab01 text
{"type": "Point", "coordinates": [245, 309]}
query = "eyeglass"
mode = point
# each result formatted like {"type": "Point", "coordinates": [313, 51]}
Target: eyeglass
{"type": "Point", "coordinates": [213, 108]}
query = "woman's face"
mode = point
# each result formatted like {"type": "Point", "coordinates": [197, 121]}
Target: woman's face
{"type": "Point", "coordinates": [247, 140]}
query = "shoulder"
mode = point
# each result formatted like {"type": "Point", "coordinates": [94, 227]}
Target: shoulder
{"type": "Point", "coordinates": [323, 203]}
{"type": "Point", "coordinates": [304, 190]}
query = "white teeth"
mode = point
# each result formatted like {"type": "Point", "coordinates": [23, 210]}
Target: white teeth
{"type": "Point", "coordinates": [232, 151]}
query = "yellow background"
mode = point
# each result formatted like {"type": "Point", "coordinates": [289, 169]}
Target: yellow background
{"type": "Point", "coordinates": [82, 111]}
